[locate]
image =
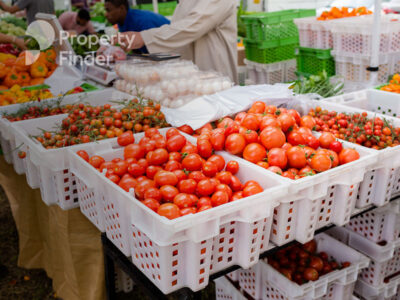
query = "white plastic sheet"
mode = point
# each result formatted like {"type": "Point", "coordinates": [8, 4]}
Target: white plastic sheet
{"type": "Point", "coordinates": [213, 107]}
{"type": "Point", "coordinates": [64, 79]}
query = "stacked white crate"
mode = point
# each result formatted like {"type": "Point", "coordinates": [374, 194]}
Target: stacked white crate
{"type": "Point", "coordinates": [278, 72]}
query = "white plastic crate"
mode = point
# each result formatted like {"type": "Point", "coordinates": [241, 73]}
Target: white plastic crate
{"type": "Point", "coordinates": [354, 35]}
{"type": "Point", "coordinates": [224, 290]}
{"type": "Point", "coordinates": [7, 134]}
{"type": "Point", "coordinates": [316, 201]}
{"type": "Point", "coordinates": [354, 67]}
{"type": "Point", "coordinates": [234, 276]}
{"type": "Point", "coordinates": [384, 292]}
{"type": "Point", "coordinates": [185, 251]}
{"type": "Point", "coordinates": [314, 33]}
{"type": "Point", "coordinates": [123, 283]}
{"type": "Point", "coordinates": [385, 260]}
{"type": "Point", "coordinates": [290, 70]}
{"type": "Point", "coordinates": [6, 148]}
{"type": "Point", "coordinates": [264, 282]}
{"type": "Point", "coordinates": [378, 225]}
{"type": "Point", "coordinates": [278, 72]}
{"type": "Point", "coordinates": [382, 181]}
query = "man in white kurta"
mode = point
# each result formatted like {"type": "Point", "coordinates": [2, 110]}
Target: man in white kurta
{"type": "Point", "coordinates": [203, 31]}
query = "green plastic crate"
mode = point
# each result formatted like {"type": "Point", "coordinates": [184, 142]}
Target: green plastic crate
{"type": "Point", "coordinates": [274, 25]}
{"type": "Point", "coordinates": [313, 61]}
{"type": "Point", "coordinates": [164, 8]}
{"type": "Point", "coordinates": [265, 55]}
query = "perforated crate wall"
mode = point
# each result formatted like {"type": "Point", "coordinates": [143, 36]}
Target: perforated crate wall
{"type": "Point", "coordinates": [189, 264]}
{"type": "Point", "coordinates": [290, 71]}
{"type": "Point", "coordinates": [377, 272]}
{"type": "Point", "coordinates": [396, 183]}
{"type": "Point", "coordinates": [298, 220]}
{"type": "Point", "coordinates": [314, 61]}
{"type": "Point", "coordinates": [356, 43]}
{"type": "Point", "coordinates": [319, 39]}
{"type": "Point", "coordinates": [6, 148]}
{"type": "Point", "coordinates": [269, 55]}
{"type": "Point", "coordinates": [358, 72]}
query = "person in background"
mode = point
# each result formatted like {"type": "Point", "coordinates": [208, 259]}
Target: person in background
{"type": "Point", "coordinates": [32, 7]}
{"type": "Point", "coordinates": [203, 31]}
{"type": "Point", "coordinates": [79, 3]}
{"type": "Point", "coordinates": [77, 22]}
{"type": "Point", "coordinates": [5, 39]}
{"type": "Point", "coordinates": [118, 12]}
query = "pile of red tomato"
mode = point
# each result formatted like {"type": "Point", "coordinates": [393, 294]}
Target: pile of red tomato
{"type": "Point", "coordinates": [357, 128]}
{"type": "Point", "coordinates": [279, 140]}
{"type": "Point", "coordinates": [302, 263]}
{"type": "Point", "coordinates": [172, 176]}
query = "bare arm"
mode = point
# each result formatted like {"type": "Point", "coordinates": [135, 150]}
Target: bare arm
{"type": "Point", "coordinates": [8, 8]}
{"type": "Point", "coordinates": [4, 38]}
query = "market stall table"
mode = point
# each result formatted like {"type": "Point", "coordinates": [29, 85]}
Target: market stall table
{"type": "Point", "coordinates": [63, 243]}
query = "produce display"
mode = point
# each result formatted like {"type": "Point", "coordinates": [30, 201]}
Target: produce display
{"type": "Point", "coordinates": [376, 133]}
{"type": "Point", "coordinates": [172, 176]}
{"type": "Point", "coordinates": [11, 29]}
{"type": "Point", "coordinates": [15, 70]}
{"type": "Point", "coordinates": [81, 48]}
{"type": "Point", "coordinates": [9, 49]}
{"type": "Point", "coordinates": [16, 94]}
{"type": "Point", "coordinates": [15, 21]}
{"type": "Point", "coordinates": [344, 12]}
{"type": "Point", "coordinates": [87, 123]}
{"type": "Point", "coordinates": [302, 263]}
{"type": "Point", "coordinates": [393, 86]}
{"type": "Point", "coordinates": [319, 84]}
{"type": "Point", "coordinates": [278, 140]}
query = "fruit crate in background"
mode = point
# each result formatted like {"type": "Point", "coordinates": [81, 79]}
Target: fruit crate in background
{"type": "Point", "coordinates": [263, 54]}
{"type": "Point", "coordinates": [312, 61]}
{"type": "Point", "coordinates": [278, 72]}
{"type": "Point", "coordinates": [272, 26]}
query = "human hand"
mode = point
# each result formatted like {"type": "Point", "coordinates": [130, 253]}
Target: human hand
{"type": "Point", "coordinates": [128, 40]}
{"type": "Point", "coordinates": [20, 43]}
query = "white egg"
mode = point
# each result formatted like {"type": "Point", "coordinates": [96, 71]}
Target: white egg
{"type": "Point", "coordinates": [181, 86]}
{"type": "Point", "coordinates": [216, 86]}
{"type": "Point", "coordinates": [226, 85]}
{"type": "Point", "coordinates": [179, 103]}
{"type": "Point", "coordinates": [207, 88]}
{"type": "Point", "coordinates": [164, 85]}
{"type": "Point", "coordinates": [166, 102]}
{"type": "Point", "coordinates": [171, 91]}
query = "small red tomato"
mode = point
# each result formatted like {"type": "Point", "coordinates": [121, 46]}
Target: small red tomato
{"type": "Point", "coordinates": [219, 198]}
{"type": "Point", "coordinates": [188, 211]}
{"type": "Point", "coordinates": [136, 170]}
{"type": "Point", "coordinates": [180, 174]}
{"type": "Point", "coordinates": [172, 165]}
{"type": "Point", "coordinates": [183, 200]}
{"type": "Point", "coordinates": [210, 169]}
{"type": "Point", "coordinates": [203, 201]}
{"type": "Point", "coordinates": [197, 176]}
{"type": "Point", "coordinates": [96, 161]}
{"type": "Point", "coordinates": [218, 160]}
{"type": "Point", "coordinates": [81, 153]}
{"type": "Point", "coordinates": [192, 162]}
{"type": "Point", "coordinates": [187, 186]}
{"type": "Point", "coordinates": [128, 183]}
{"type": "Point", "coordinates": [126, 138]}
{"type": "Point", "coordinates": [151, 203]}
{"type": "Point", "coordinates": [151, 171]}
{"type": "Point", "coordinates": [153, 193]}
{"type": "Point", "coordinates": [224, 177]}
{"type": "Point", "coordinates": [165, 178]}
{"type": "Point", "coordinates": [169, 210]}
{"type": "Point", "coordinates": [176, 142]}
{"type": "Point", "coordinates": [232, 166]}
{"type": "Point", "coordinates": [205, 187]}
{"type": "Point", "coordinates": [235, 184]}
{"type": "Point", "coordinates": [310, 274]}
{"type": "Point", "coordinates": [168, 193]}
{"type": "Point", "coordinates": [336, 146]}
{"type": "Point", "coordinates": [252, 190]}
{"type": "Point", "coordinates": [204, 207]}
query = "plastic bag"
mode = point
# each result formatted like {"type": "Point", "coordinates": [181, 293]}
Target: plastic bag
{"type": "Point", "coordinates": [111, 53]}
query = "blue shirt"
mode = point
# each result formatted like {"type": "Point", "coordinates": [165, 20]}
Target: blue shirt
{"type": "Point", "coordinates": [139, 20]}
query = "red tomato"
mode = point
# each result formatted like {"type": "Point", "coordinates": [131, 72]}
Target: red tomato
{"type": "Point", "coordinates": [258, 107]}
{"type": "Point", "coordinates": [252, 190]}
{"type": "Point", "coordinates": [152, 170]}
{"type": "Point", "coordinates": [186, 129]}
{"type": "Point", "coordinates": [287, 122]}
{"type": "Point", "coordinates": [336, 146]}
{"type": "Point", "coordinates": [168, 193]}
{"type": "Point", "coordinates": [272, 138]}
{"type": "Point", "coordinates": [183, 200]}
{"type": "Point", "coordinates": [306, 171]}
{"type": "Point", "coordinates": [151, 203]}
{"type": "Point", "coordinates": [325, 139]}
{"type": "Point", "coordinates": [225, 122]}
{"type": "Point", "coordinates": [165, 178]}
{"type": "Point", "coordinates": [176, 142]}
{"type": "Point", "coordinates": [224, 188]}
{"type": "Point", "coordinates": [250, 136]}
{"type": "Point", "coordinates": [126, 138]}
{"type": "Point", "coordinates": [169, 210]}
{"type": "Point", "coordinates": [160, 142]}
{"type": "Point", "coordinates": [275, 169]}
{"type": "Point", "coordinates": [210, 169]}
{"type": "Point", "coordinates": [205, 187]}
{"type": "Point", "coordinates": [204, 201]}
{"type": "Point", "coordinates": [312, 142]}
{"type": "Point", "coordinates": [235, 184]}
{"type": "Point", "coordinates": [296, 157]}
{"type": "Point", "coordinates": [217, 139]}
{"type": "Point", "coordinates": [159, 157]}
{"type": "Point", "coordinates": [263, 164]}
{"type": "Point", "coordinates": [142, 187]}
{"type": "Point", "coordinates": [240, 116]}
{"type": "Point", "coordinates": [232, 166]}
{"type": "Point", "coordinates": [114, 178]}
{"type": "Point", "coordinates": [348, 155]}
{"type": "Point", "coordinates": [172, 165]}
{"type": "Point", "coordinates": [134, 151]}
{"type": "Point", "coordinates": [189, 148]}
{"type": "Point", "coordinates": [219, 198]}
{"type": "Point", "coordinates": [136, 170]}
{"type": "Point", "coordinates": [188, 211]}
{"type": "Point", "coordinates": [175, 156]}
{"type": "Point", "coordinates": [288, 174]}
{"type": "Point", "coordinates": [197, 176]}
{"type": "Point", "coordinates": [295, 114]}
{"type": "Point", "coordinates": [334, 158]}
{"type": "Point", "coordinates": [232, 128]}
{"type": "Point", "coordinates": [307, 121]}
{"type": "Point", "coordinates": [311, 274]}
{"type": "Point", "coordinates": [296, 138]}
{"type": "Point", "coordinates": [286, 146]}
{"type": "Point", "coordinates": [321, 162]}
{"type": "Point", "coordinates": [96, 161]}
{"type": "Point", "coordinates": [204, 148]}
{"type": "Point", "coordinates": [171, 132]}
{"type": "Point", "coordinates": [180, 174]}
{"type": "Point", "coordinates": [224, 177]}
{"type": "Point", "coordinates": [277, 157]}
{"type": "Point", "coordinates": [83, 154]}
{"type": "Point", "coordinates": [218, 160]}
{"type": "Point", "coordinates": [128, 183]}
{"type": "Point", "coordinates": [268, 121]}
{"type": "Point", "coordinates": [187, 186]}
{"type": "Point", "coordinates": [108, 165]}
{"type": "Point", "coordinates": [192, 162]}
{"type": "Point", "coordinates": [204, 207]}
{"type": "Point", "coordinates": [250, 121]}
{"type": "Point", "coordinates": [254, 152]}
{"type": "Point", "coordinates": [153, 193]}
{"type": "Point", "coordinates": [237, 196]}
{"type": "Point", "coordinates": [235, 143]}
